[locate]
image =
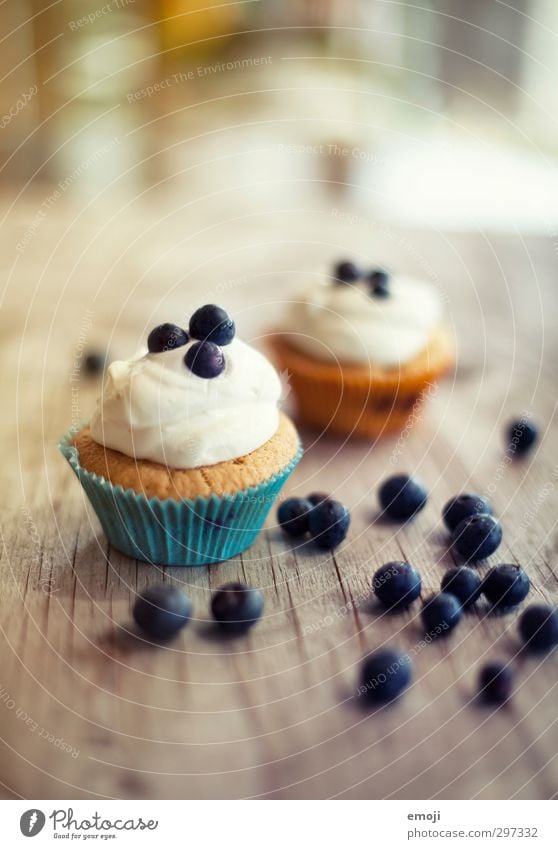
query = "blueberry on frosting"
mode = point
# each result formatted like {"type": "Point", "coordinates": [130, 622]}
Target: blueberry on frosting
{"type": "Point", "coordinates": [379, 283]}
{"type": "Point", "coordinates": [212, 324]}
{"type": "Point", "coordinates": [205, 359]}
{"type": "Point", "coordinates": [378, 280]}
{"type": "Point", "coordinates": [346, 272]}
{"type": "Point", "coordinates": [166, 337]}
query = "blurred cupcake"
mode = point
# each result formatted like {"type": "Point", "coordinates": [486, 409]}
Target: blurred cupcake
{"type": "Point", "coordinates": [187, 450]}
{"type": "Point", "coordinates": [363, 350]}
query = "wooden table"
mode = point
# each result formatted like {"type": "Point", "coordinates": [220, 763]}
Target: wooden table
{"type": "Point", "coordinates": [87, 711]}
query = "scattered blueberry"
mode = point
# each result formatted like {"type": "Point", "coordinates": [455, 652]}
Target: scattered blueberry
{"type": "Point", "coordinates": [506, 585]}
{"type": "Point", "coordinates": [384, 675]}
{"type": "Point", "coordinates": [236, 607]}
{"type": "Point", "coordinates": [166, 337]}
{"type": "Point", "coordinates": [495, 682]}
{"type": "Point", "coordinates": [379, 283]}
{"type": "Point", "coordinates": [538, 626]}
{"type": "Point", "coordinates": [317, 497]}
{"type": "Point", "coordinates": [293, 516]}
{"type": "Point", "coordinates": [162, 610]}
{"type": "Point", "coordinates": [477, 537]}
{"type": "Point", "coordinates": [328, 523]}
{"type": "Point", "coordinates": [396, 584]}
{"type": "Point", "coordinates": [522, 436]}
{"type": "Point", "coordinates": [212, 324]}
{"type": "Point", "coordinates": [402, 496]}
{"type": "Point", "coordinates": [346, 272]}
{"type": "Point", "coordinates": [205, 359]}
{"type": "Point", "coordinates": [462, 506]}
{"type": "Point", "coordinates": [441, 613]}
{"type": "Point", "coordinates": [94, 363]}
{"type": "Point", "coordinates": [464, 583]}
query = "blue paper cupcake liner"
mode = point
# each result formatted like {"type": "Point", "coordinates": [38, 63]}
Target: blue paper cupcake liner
{"type": "Point", "coordinates": [191, 532]}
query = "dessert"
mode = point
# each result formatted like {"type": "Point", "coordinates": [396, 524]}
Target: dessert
{"type": "Point", "coordinates": [363, 350]}
{"type": "Point", "coordinates": [187, 449]}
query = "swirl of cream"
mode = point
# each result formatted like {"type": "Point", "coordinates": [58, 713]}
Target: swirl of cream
{"type": "Point", "coordinates": [347, 323]}
{"type": "Point", "coordinates": [154, 408]}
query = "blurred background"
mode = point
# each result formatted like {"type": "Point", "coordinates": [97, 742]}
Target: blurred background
{"type": "Point", "coordinates": [415, 111]}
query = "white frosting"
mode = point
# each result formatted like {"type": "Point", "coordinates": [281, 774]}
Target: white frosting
{"type": "Point", "coordinates": [347, 324]}
{"type": "Point", "coordinates": [154, 408]}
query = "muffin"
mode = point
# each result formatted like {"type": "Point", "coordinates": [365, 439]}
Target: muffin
{"type": "Point", "coordinates": [187, 450]}
{"type": "Point", "coordinates": [363, 351]}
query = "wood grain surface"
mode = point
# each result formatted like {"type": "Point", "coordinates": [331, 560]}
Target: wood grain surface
{"type": "Point", "coordinates": [90, 710]}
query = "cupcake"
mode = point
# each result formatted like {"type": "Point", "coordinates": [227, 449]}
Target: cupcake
{"type": "Point", "coordinates": [187, 449]}
{"type": "Point", "coordinates": [363, 350]}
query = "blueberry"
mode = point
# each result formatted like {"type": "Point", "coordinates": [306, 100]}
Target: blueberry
{"type": "Point", "coordinates": [396, 584]}
{"type": "Point", "coordinates": [379, 283]}
{"type": "Point", "coordinates": [236, 607]}
{"type": "Point", "coordinates": [328, 523]}
{"type": "Point", "coordinates": [441, 613]}
{"type": "Point", "coordinates": [538, 626]}
{"type": "Point", "coordinates": [346, 272]}
{"type": "Point", "coordinates": [462, 506]}
{"type": "Point", "coordinates": [464, 583]}
{"type": "Point", "coordinates": [506, 585]}
{"type": "Point", "coordinates": [402, 496]}
{"type": "Point", "coordinates": [378, 277]}
{"type": "Point", "coordinates": [317, 497]}
{"type": "Point", "coordinates": [522, 435]}
{"type": "Point", "coordinates": [166, 337]}
{"type": "Point", "coordinates": [162, 610]}
{"type": "Point", "coordinates": [380, 292]}
{"type": "Point", "coordinates": [293, 516]}
{"type": "Point", "coordinates": [212, 324]}
{"type": "Point", "coordinates": [384, 675]}
{"type": "Point", "coordinates": [477, 537]}
{"type": "Point", "coordinates": [205, 359]}
{"type": "Point", "coordinates": [495, 682]}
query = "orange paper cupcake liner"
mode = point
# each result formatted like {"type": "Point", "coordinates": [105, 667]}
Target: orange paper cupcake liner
{"type": "Point", "coordinates": [359, 400]}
